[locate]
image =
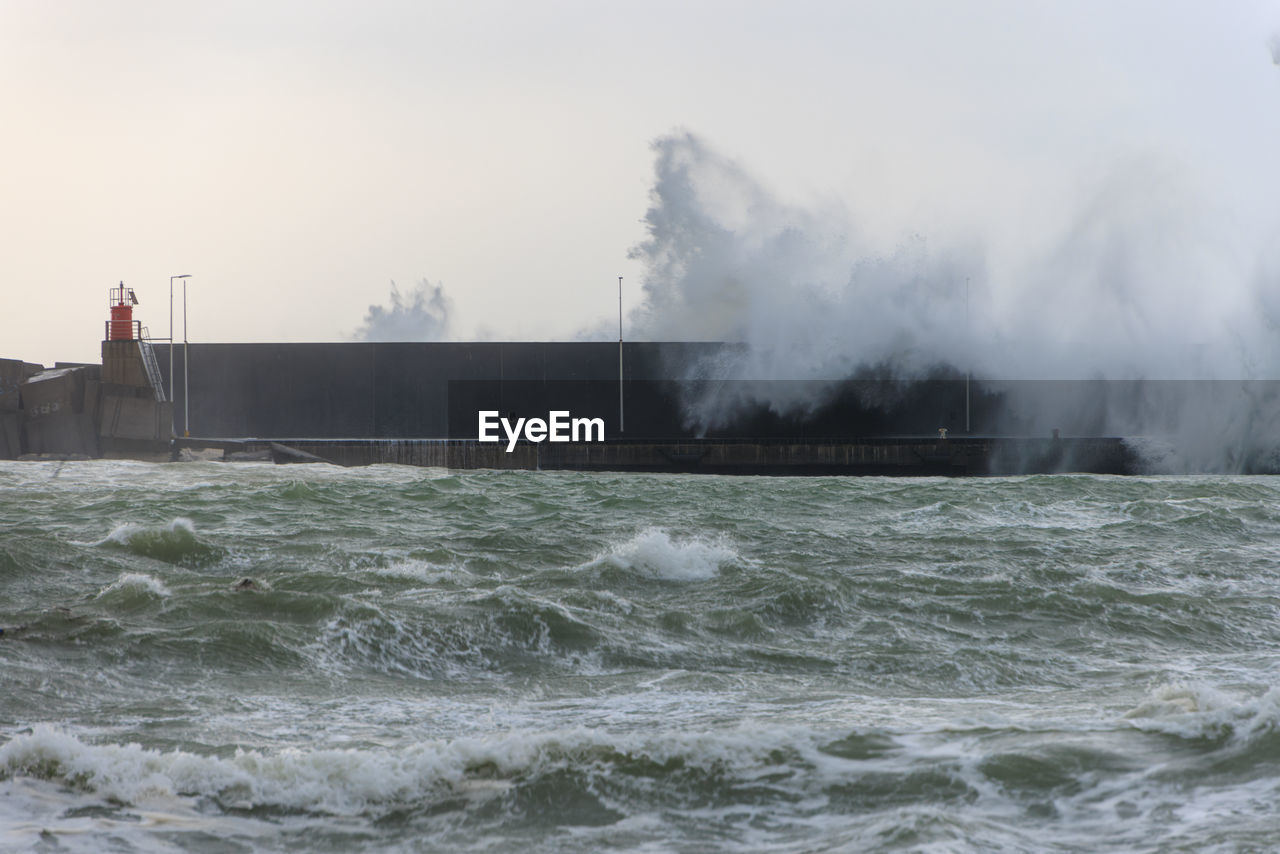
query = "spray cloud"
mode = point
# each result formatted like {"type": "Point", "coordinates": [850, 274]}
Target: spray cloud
{"type": "Point", "coordinates": [423, 315]}
{"type": "Point", "coordinates": [1143, 282]}
{"type": "Point", "coordinates": [726, 260]}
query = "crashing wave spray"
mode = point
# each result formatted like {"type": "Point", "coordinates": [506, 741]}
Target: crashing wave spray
{"type": "Point", "coordinates": [727, 261]}
{"type": "Point", "coordinates": [1143, 283]}
{"type": "Point", "coordinates": [422, 315]}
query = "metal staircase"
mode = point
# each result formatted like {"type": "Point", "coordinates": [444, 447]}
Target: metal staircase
{"type": "Point", "coordinates": [152, 366]}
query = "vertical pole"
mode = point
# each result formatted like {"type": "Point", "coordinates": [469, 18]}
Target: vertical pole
{"type": "Point", "coordinates": [968, 356]}
{"type": "Point", "coordinates": [186, 389]}
{"type": "Point", "coordinates": [622, 424]}
{"type": "Point", "coordinates": [172, 431]}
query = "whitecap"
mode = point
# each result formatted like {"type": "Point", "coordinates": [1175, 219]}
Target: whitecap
{"type": "Point", "coordinates": [420, 570]}
{"type": "Point", "coordinates": [128, 532]}
{"type": "Point", "coordinates": [1196, 710]}
{"type": "Point", "coordinates": [654, 553]}
{"type": "Point", "coordinates": [138, 582]}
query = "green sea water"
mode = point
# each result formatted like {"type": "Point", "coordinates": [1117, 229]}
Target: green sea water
{"type": "Point", "coordinates": [216, 657]}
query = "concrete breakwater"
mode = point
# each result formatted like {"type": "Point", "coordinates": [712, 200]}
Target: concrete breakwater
{"type": "Point", "coordinates": [418, 404]}
{"type": "Point", "coordinates": [897, 456]}
{"type": "Point", "coordinates": [83, 410]}
{"type": "Point", "coordinates": [115, 410]}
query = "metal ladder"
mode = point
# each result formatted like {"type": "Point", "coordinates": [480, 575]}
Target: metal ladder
{"type": "Point", "coordinates": [152, 367]}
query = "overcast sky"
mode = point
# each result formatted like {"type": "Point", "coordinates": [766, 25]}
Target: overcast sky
{"type": "Point", "coordinates": [296, 158]}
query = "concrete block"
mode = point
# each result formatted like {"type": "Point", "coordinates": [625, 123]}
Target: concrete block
{"type": "Point", "coordinates": [92, 398]}
{"type": "Point", "coordinates": [133, 418]}
{"type": "Point", "coordinates": [13, 373]}
{"type": "Point", "coordinates": [57, 392]}
{"type": "Point", "coordinates": [10, 435]}
{"type": "Point", "coordinates": [122, 364]}
{"type": "Point", "coordinates": [62, 433]}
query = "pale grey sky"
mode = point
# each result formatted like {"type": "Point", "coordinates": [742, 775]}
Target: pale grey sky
{"type": "Point", "coordinates": [297, 157]}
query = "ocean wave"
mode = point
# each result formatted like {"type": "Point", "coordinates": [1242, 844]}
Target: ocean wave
{"type": "Point", "coordinates": [136, 582]}
{"type": "Point", "coordinates": [727, 781]}
{"type": "Point", "coordinates": [376, 781]}
{"type": "Point", "coordinates": [1198, 711]}
{"type": "Point", "coordinates": [425, 571]}
{"type": "Point", "coordinates": [746, 787]}
{"type": "Point", "coordinates": [175, 543]}
{"type": "Point", "coordinates": [653, 553]}
{"type": "Point", "coordinates": [503, 631]}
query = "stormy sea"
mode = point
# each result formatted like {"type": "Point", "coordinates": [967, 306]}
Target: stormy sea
{"type": "Point", "coordinates": [218, 657]}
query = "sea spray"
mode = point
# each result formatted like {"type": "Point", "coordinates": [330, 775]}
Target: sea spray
{"type": "Point", "coordinates": [421, 315]}
{"type": "Point", "coordinates": [1117, 294]}
{"type": "Point", "coordinates": [654, 553]}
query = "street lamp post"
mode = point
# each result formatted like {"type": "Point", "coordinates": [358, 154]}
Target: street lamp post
{"type": "Point", "coordinates": [622, 424]}
{"type": "Point", "coordinates": [173, 432]}
{"type": "Point", "coordinates": [968, 356]}
{"type": "Point", "coordinates": [186, 387]}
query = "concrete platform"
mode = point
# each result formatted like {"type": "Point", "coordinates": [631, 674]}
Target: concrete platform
{"type": "Point", "coordinates": [888, 456]}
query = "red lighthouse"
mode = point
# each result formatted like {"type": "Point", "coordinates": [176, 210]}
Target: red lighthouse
{"type": "Point", "coordinates": [122, 326]}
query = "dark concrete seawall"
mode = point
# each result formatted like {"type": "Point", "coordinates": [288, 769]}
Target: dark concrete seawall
{"type": "Point", "coordinates": [672, 391]}
{"type": "Point", "coordinates": [435, 390]}
{"type": "Point", "coordinates": [685, 410]}
{"type": "Point", "coordinates": [889, 457]}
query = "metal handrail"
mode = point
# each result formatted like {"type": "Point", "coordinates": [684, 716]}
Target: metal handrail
{"type": "Point", "coordinates": [151, 365]}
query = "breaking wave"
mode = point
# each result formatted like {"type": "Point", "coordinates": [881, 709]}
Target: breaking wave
{"type": "Point", "coordinates": [136, 582]}
{"type": "Point", "coordinates": [1199, 711]}
{"type": "Point", "coordinates": [654, 554]}
{"type": "Point", "coordinates": [175, 543]}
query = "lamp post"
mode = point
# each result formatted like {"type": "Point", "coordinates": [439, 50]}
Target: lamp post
{"type": "Point", "coordinates": [172, 431]}
{"type": "Point", "coordinates": [968, 356]}
{"type": "Point", "coordinates": [622, 424]}
{"type": "Point", "coordinates": [186, 387]}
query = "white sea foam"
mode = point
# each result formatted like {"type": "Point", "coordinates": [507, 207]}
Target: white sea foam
{"type": "Point", "coordinates": [335, 781]}
{"type": "Point", "coordinates": [137, 581]}
{"type": "Point", "coordinates": [34, 816]}
{"type": "Point", "coordinates": [128, 532]}
{"type": "Point", "coordinates": [796, 762]}
{"type": "Point", "coordinates": [421, 570]}
{"type": "Point", "coordinates": [654, 553]}
{"type": "Point", "coordinates": [355, 782]}
{"type": "Point", "coordinates": [1195, 710]}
